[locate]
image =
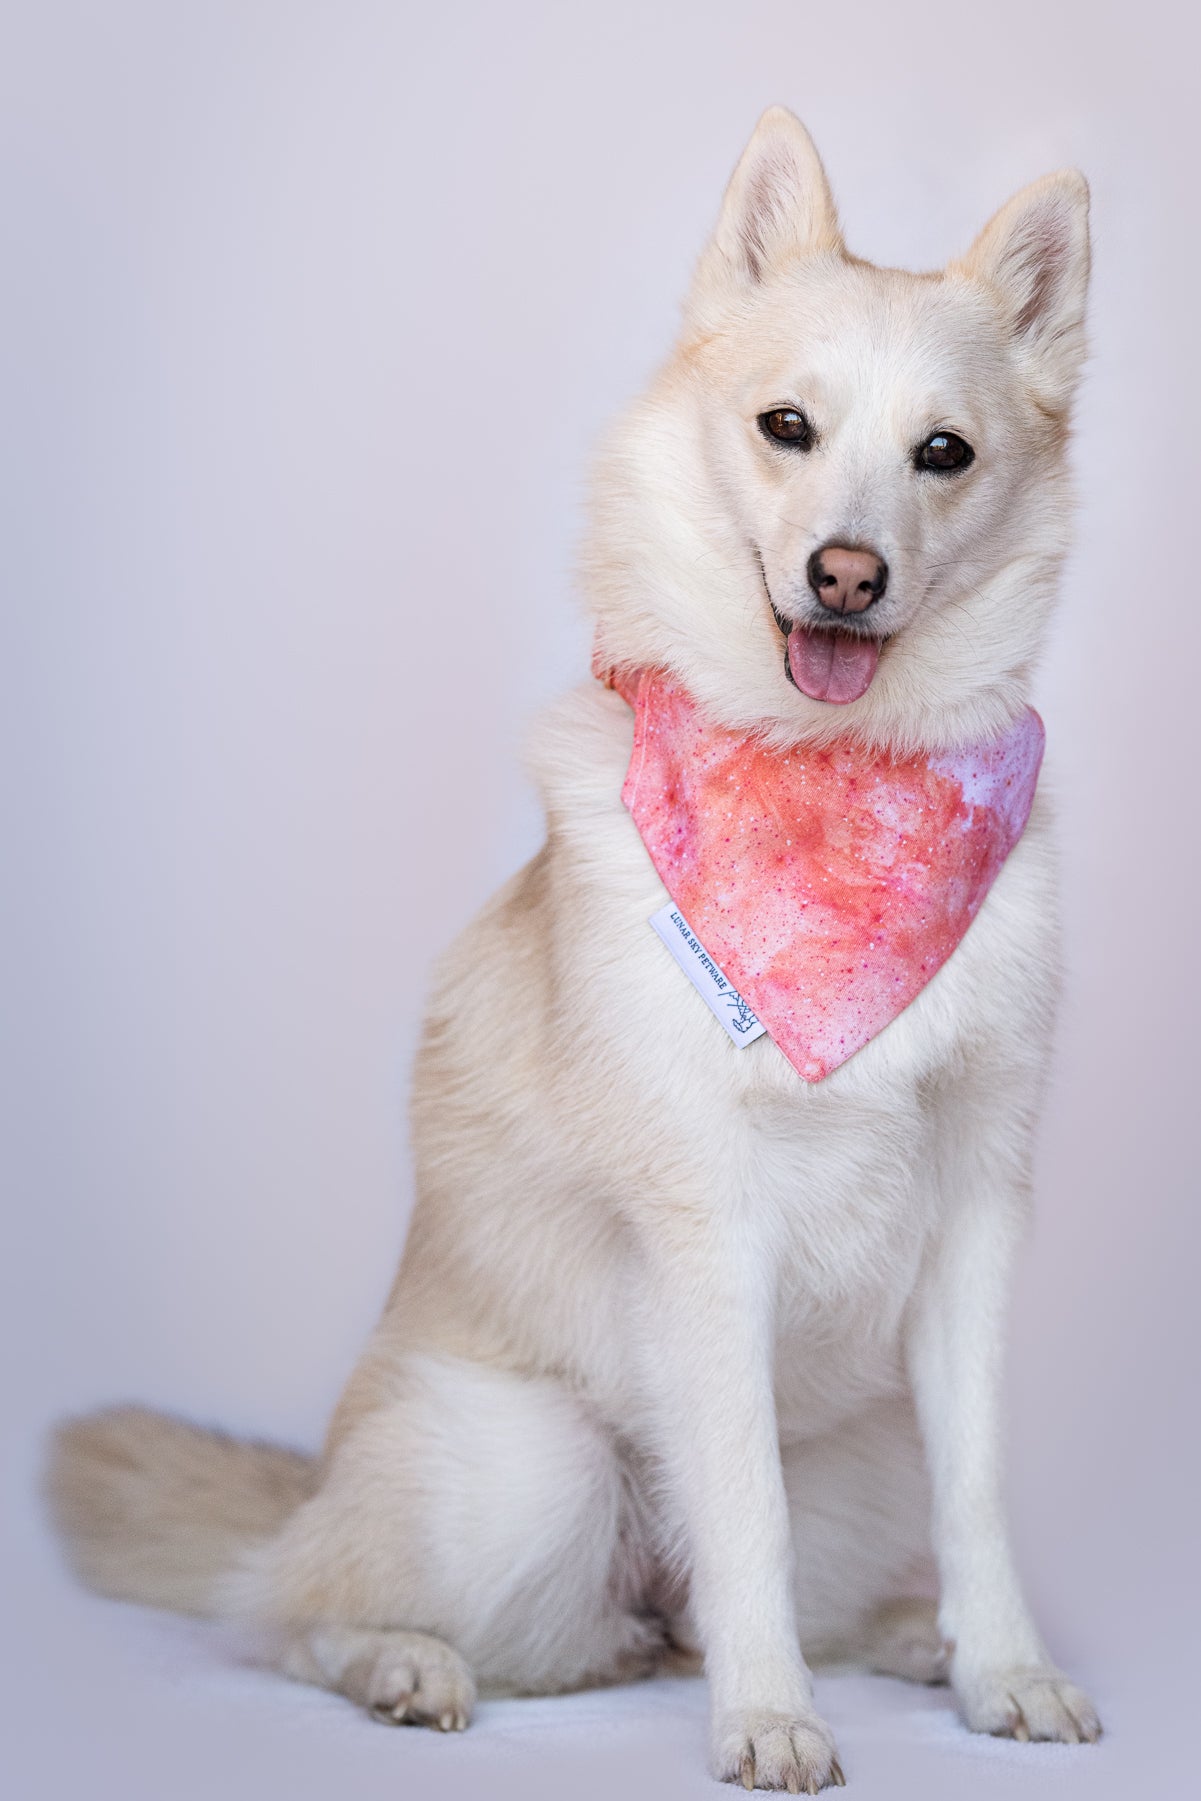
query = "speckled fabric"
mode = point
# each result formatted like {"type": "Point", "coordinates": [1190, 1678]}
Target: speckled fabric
{"type": "Point", "coordinates": [829, 885]}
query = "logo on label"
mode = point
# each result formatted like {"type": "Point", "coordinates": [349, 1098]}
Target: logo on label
{"type": "Point", "coordinates": [715, 989]}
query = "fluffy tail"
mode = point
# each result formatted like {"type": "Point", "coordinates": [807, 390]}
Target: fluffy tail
{"type": "Point", "coordinates": [152, 1509]}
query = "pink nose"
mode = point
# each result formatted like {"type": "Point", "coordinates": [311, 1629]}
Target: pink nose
{"type": "Point", "coordinates": [847, 581]}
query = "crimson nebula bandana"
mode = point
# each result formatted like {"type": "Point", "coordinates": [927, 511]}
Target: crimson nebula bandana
{"type": "Point", "coordinates": [828, 885]}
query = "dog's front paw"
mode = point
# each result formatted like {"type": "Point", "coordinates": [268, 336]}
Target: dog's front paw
{"type": "Point", "coordinates": [775, 1751]}
{"type": "Point", "coordinates": [1027, 1702]}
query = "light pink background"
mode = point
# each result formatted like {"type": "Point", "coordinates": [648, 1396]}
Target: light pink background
{"type": "Point", "coordinates": [313, 314]}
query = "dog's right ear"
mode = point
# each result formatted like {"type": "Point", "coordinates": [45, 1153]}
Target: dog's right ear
{"type": "Point", "coordinates": [778, 207]}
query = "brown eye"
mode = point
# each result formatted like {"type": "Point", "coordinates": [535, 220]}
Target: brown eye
{"type": "Point", "coordinates": [787, 426]}
{"type": "Point", "coordinates": [944, 453]}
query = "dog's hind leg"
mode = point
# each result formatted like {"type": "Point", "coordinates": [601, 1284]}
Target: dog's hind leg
{"type": "Point", "coordinates": [903, 1639]}
{"type": "Point", "coordinates": [860, 1507]}
{"type": "Point", "coordinates": [470, 1508]}
{"type": "Point", "coordinates": [401, 1678]}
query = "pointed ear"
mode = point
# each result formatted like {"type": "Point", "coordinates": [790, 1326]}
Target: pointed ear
{"type": "Point", "coordinates": [777, 207]}
{"type": "Point", "coordinates": [1033, 255]}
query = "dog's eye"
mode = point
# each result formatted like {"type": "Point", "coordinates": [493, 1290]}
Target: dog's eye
{"type": "Point", "coordinates": [945, 452]}
{"type": "Point", "coordinates": [787, 426]}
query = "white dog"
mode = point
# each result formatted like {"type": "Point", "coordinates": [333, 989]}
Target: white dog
{"type": "Point", "coordinates": [688, 1352]}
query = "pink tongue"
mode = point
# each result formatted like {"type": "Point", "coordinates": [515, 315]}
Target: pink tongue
{"type": "Point", "coordinates": [831, 665]}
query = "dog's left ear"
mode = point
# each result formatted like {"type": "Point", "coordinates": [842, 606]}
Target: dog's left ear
{"type": "Point", "coordinates": [777, 207]}
{"type": "Point", "coordinates": [1033, 256]}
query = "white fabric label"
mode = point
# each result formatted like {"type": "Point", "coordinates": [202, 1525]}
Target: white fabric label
{"type": "Point", "coordinates": [719, 995]}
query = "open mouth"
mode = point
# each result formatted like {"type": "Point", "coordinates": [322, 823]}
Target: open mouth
{"type": "Point", "coordinates": [828, 663]}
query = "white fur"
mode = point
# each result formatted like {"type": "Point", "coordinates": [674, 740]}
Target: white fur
{"type": "Point", "coordinates": [669, 1317]}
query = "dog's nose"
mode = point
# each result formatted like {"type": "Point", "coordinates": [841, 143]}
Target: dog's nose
{"type": "Point", "coordinates": [847, 581]}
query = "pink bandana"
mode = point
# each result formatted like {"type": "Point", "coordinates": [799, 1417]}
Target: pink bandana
{"type": "Point", "coordinates": [829, 885]}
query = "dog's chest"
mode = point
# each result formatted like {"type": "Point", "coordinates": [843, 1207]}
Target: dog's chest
{"type": "Point", "coordinates": [839, 1192]}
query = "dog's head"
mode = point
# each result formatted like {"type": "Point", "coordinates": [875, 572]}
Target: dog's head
{"type": "Point", "coordinates": [843, 503]}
